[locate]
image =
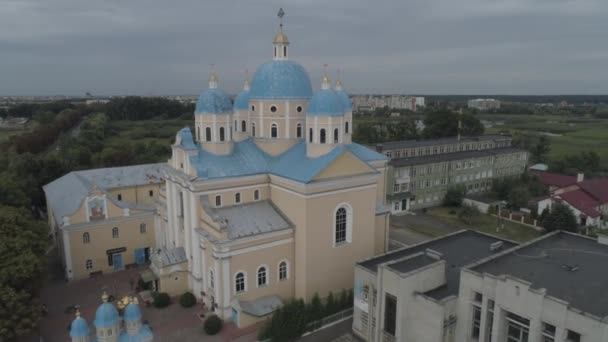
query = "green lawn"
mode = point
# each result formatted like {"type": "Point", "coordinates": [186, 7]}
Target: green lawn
{"type": "Point", "coordinates": [485, 224]}
{"type": "Point", "coordinates": [577, 133]}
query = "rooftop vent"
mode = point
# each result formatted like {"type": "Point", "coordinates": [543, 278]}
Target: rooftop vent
{"type": "Point", "coordinates": [495, 246]}
{"type": "Point", "coordinates": [571, 268]}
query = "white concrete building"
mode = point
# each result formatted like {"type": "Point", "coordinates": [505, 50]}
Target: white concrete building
{"type": "Point", "coordinates": [468, 286]}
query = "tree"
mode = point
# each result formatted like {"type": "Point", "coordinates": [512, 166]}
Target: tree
{"type": "Point", "coordinates": [402, 130]}
{"type": "Point", "coordinates": [22, 264]}
{"type": "Point", "coordinates": [288, 323]}
{"type": "Point", "coordinates": [518, 197]}
{"type": "Point", "coordinates": [540, 151]}
{"type": "Point", "coordinates": [454, 196]}
{"type": "Point", "coordinates": [560, 217]}
{"type": "Point", "coordinates": [331, 304]}
{"type": "Point", "coordinates": [315, 308]}
{"type": "Point", "coordinates": [440, 124]}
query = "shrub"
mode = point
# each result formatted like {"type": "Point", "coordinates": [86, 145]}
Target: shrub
{"type": "Point", "coordinates": [315, 308]}
{"type": "Point", "coordinates": [161, 300]}
{"type": "Point", "coordinates": [213, 325]}
{"type": "Point", "coordinates": [453, 197]}
{"type": "Point", "coordinates": [467, 213]}
{"type": "Point", "coordinates": [187, 300]}
{"type": "Point", "coordinates": [288, 323]}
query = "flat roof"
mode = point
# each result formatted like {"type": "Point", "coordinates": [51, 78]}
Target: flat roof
{"type": "Point", "coordinates": [415, 262]}
{"type": "Point", "coordinates": [570, 267]}
{"type": "Point", "coordinates": [436, 158]}
{"type": "Point", "coordinates": [458, 250]}
{"type": "Point", "coordinates": [448, 140]}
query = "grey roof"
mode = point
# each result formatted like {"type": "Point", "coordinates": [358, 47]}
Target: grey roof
{"type": "Point", "coordinates": [544, 263]}
{"type": "Point", "coordinates": [250, 219]}
{"type": "Point", "coordinates": [436, 158]}
{"type": "Point", "coordinates": [449, 140]}
{"type": "Point", "coordinates": [505, 150]}
{"type": "Point", "coordinates": [458, 250]}
{"type": "Point", "coordinates": [413, 262]}
{"type": "Point", "coordinates": [259, 307]}
{"type": "Point", "coordinates": [66, 194]}
{"type": "Point", "coordinates": [169, 257]}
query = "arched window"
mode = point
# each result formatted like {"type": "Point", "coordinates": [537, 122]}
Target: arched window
{"type": "Point", "coordinates": [89, 264]}
{"type": "Point", "coordinates": [310, 135]}
{"type": "Point", "coordinates": [262, 276]}
{"type": "Point", "coordinates": [239, 282]}
{"type": "Point", "coordinates": [275, 51]}
{"type": "Point", "coordinates": [256, 195]}
{"type": "Point", "coordinates": [335, 136]}
{"type": "Point", "coordinates": [207, 133]}
{"type": "Point", "coordinates": [322, 136]}
{"type": "Point", "coordinates": [343, 225]}
{"type": "Point", "coordinates": [237, 197]}
{"type": "Point", "coordinates": [86, 238]}
{"type": "Point", "coordinates": [346, 127]}
{"type": "Point", "coordinates": [211, 280]}
{"type": "Point", "coordinates": [284, 51]}
{"type": "Point", "coordinates": [253, 129]}
{"type": "Point", "coordinates": [299, 130]}
{"type": "Point", "coordinates": [274, 130]}
{"type": "Point", "coordinates": [222, 134]}
{"type": "Point", "coordinates": [198, 133]}
{"type": "Point", "coordinates": [243, 126]}
{"type": "Point", "coordinates": [283, 270]}
{"type": "Point", "coordinates": [115, 232]}
{"type": "Point", "coordinates": [235, 126]}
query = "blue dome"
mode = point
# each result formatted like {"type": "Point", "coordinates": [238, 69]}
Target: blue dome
{"type": "Point", "coordinates": [213, 101]}
{"type": "Point", "coordinates": [132, 313]}
{"type": "Point", "coordinates": [106, 316]}
{"type": "Point", "coordinates": [79, 328]}
{"type": "Point", "coordinates": [325, 102]}
{"type": "Point", "coordinates": [346, 102]}
{"type": "Point", "coordinates": [241, 102]}
{"type": "Point", "coordinates": [280, 80]}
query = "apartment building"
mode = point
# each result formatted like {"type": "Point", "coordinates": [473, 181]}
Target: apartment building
{"type": "Point", "coordinates": [484, 104]}
{"type": "Point", "coordinates": [468, 286]}
{"type": "Point", "coordinates": [420, 172]}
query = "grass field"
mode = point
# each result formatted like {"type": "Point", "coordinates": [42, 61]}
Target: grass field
{"type": "Point", "coordinates": [577, 134]}
{"type": "Point", "coordinates": [485, 224]}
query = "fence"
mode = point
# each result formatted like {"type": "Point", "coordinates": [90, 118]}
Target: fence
{"type": "Point", "coordinates": [520, 218]}
{"type": "Point", "coordinates": [316, 325]}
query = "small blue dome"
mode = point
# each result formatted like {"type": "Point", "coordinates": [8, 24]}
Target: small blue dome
{"type": "Point", "coordinates": [241, 102]}
{"type": "Point", "coordinates": [325, 102]}
{"type": "Point", "coordinates": [106, 316]}
{"type": "Point", "coordinates": [346, 102]}
{"type": "Point", "coordinates": [132, 313]}
{"type": "Point", "coordinates": [213, 101]}
{"type": "Point", "coordinates": [79, 328]}
{"type": "Point", "coordinates": [280, 80]}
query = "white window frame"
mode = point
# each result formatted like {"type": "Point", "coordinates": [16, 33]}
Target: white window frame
{"type": "Point", "coordinates": [237, 198]}
{"type": "Point", "coordinates": [274, 125]}
{"type": "Point", "coordinates": [215, 201]}
{"type": "Point", "coordinates": [86, 237]}
{"type": "Point", "coordinates": [212, 279]}
{"type": "Point", "coordinates": [301, 127]}
{"type": "Point", "coordinates": [349, 224]}
{"type": "Point", "coordinates": [244, 282]}
{"type": "Point", "coordinates": [258, 195]}
{"type": "Point", "coordinates": [286, 270]}
{"type": "Point", "coordinates": [267, 275]}
{"type": "Point", "coordinates": [115, 233]}
{"type": "Point", "coordinates": [87, 263]}
{"type": "Point", "coordinates": [142, 228]}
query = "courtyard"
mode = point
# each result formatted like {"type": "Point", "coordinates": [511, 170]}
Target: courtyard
{"type": "Point", "coordinates": [173, 323]}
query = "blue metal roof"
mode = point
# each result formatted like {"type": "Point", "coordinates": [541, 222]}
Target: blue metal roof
{"type": "Point", "coordinates": [346, 102]}
{"type": "Point", "coordinates": [248, 159]}
{"type": "Point", "coordinates": [325, 102]}
{"type": "Point", "coordinates": [213, 101]}
{"type": "Point", "coordinates": [79, 328]}
{"type": "Point", "coordinates": [106, 316]}
{"type": "Point", "coordinates": [280, 80]}
{"type": "Point", "coordinates": [132, 313]}
{"type": "Point", "coordinates": [186, 139]}
{"type": "Point", "coordinates": [241, 102]}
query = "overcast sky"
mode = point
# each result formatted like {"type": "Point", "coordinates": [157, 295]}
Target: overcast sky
{"type": "Point", "coordinates": [156, 47]}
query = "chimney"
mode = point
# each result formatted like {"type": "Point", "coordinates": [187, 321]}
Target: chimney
{"type": "Point", "coordinates": [580, 177]}
{"type": "Point", "coordinates": [379, 148]}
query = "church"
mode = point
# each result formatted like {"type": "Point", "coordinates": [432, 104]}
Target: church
{"type": "Point", "coordinates": [268, 198]}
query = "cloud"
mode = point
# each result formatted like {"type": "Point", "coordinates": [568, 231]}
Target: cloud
{"type": "Point", "coordinates": [389, 46]}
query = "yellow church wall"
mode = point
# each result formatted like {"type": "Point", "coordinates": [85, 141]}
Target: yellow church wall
{"type": "Point", "coordinates": [319, 239]}
{"type": "Point", "coordinates": [270, 257]}
{"type": "Point", "coordinates": [345, 165]}
{"type": "Point", "coordinates": [137, 194]}
{"type": "Point", "coordinates": [101, 240]}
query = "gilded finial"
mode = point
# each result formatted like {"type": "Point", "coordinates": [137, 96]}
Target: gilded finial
{"type": "Point", "coordinates": [213, 80]}
{"type": "Point", "coordinates": [339, 81]}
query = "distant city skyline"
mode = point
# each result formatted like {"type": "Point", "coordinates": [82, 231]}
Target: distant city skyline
{"type": "Point", "coordinates": [431, 47]}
